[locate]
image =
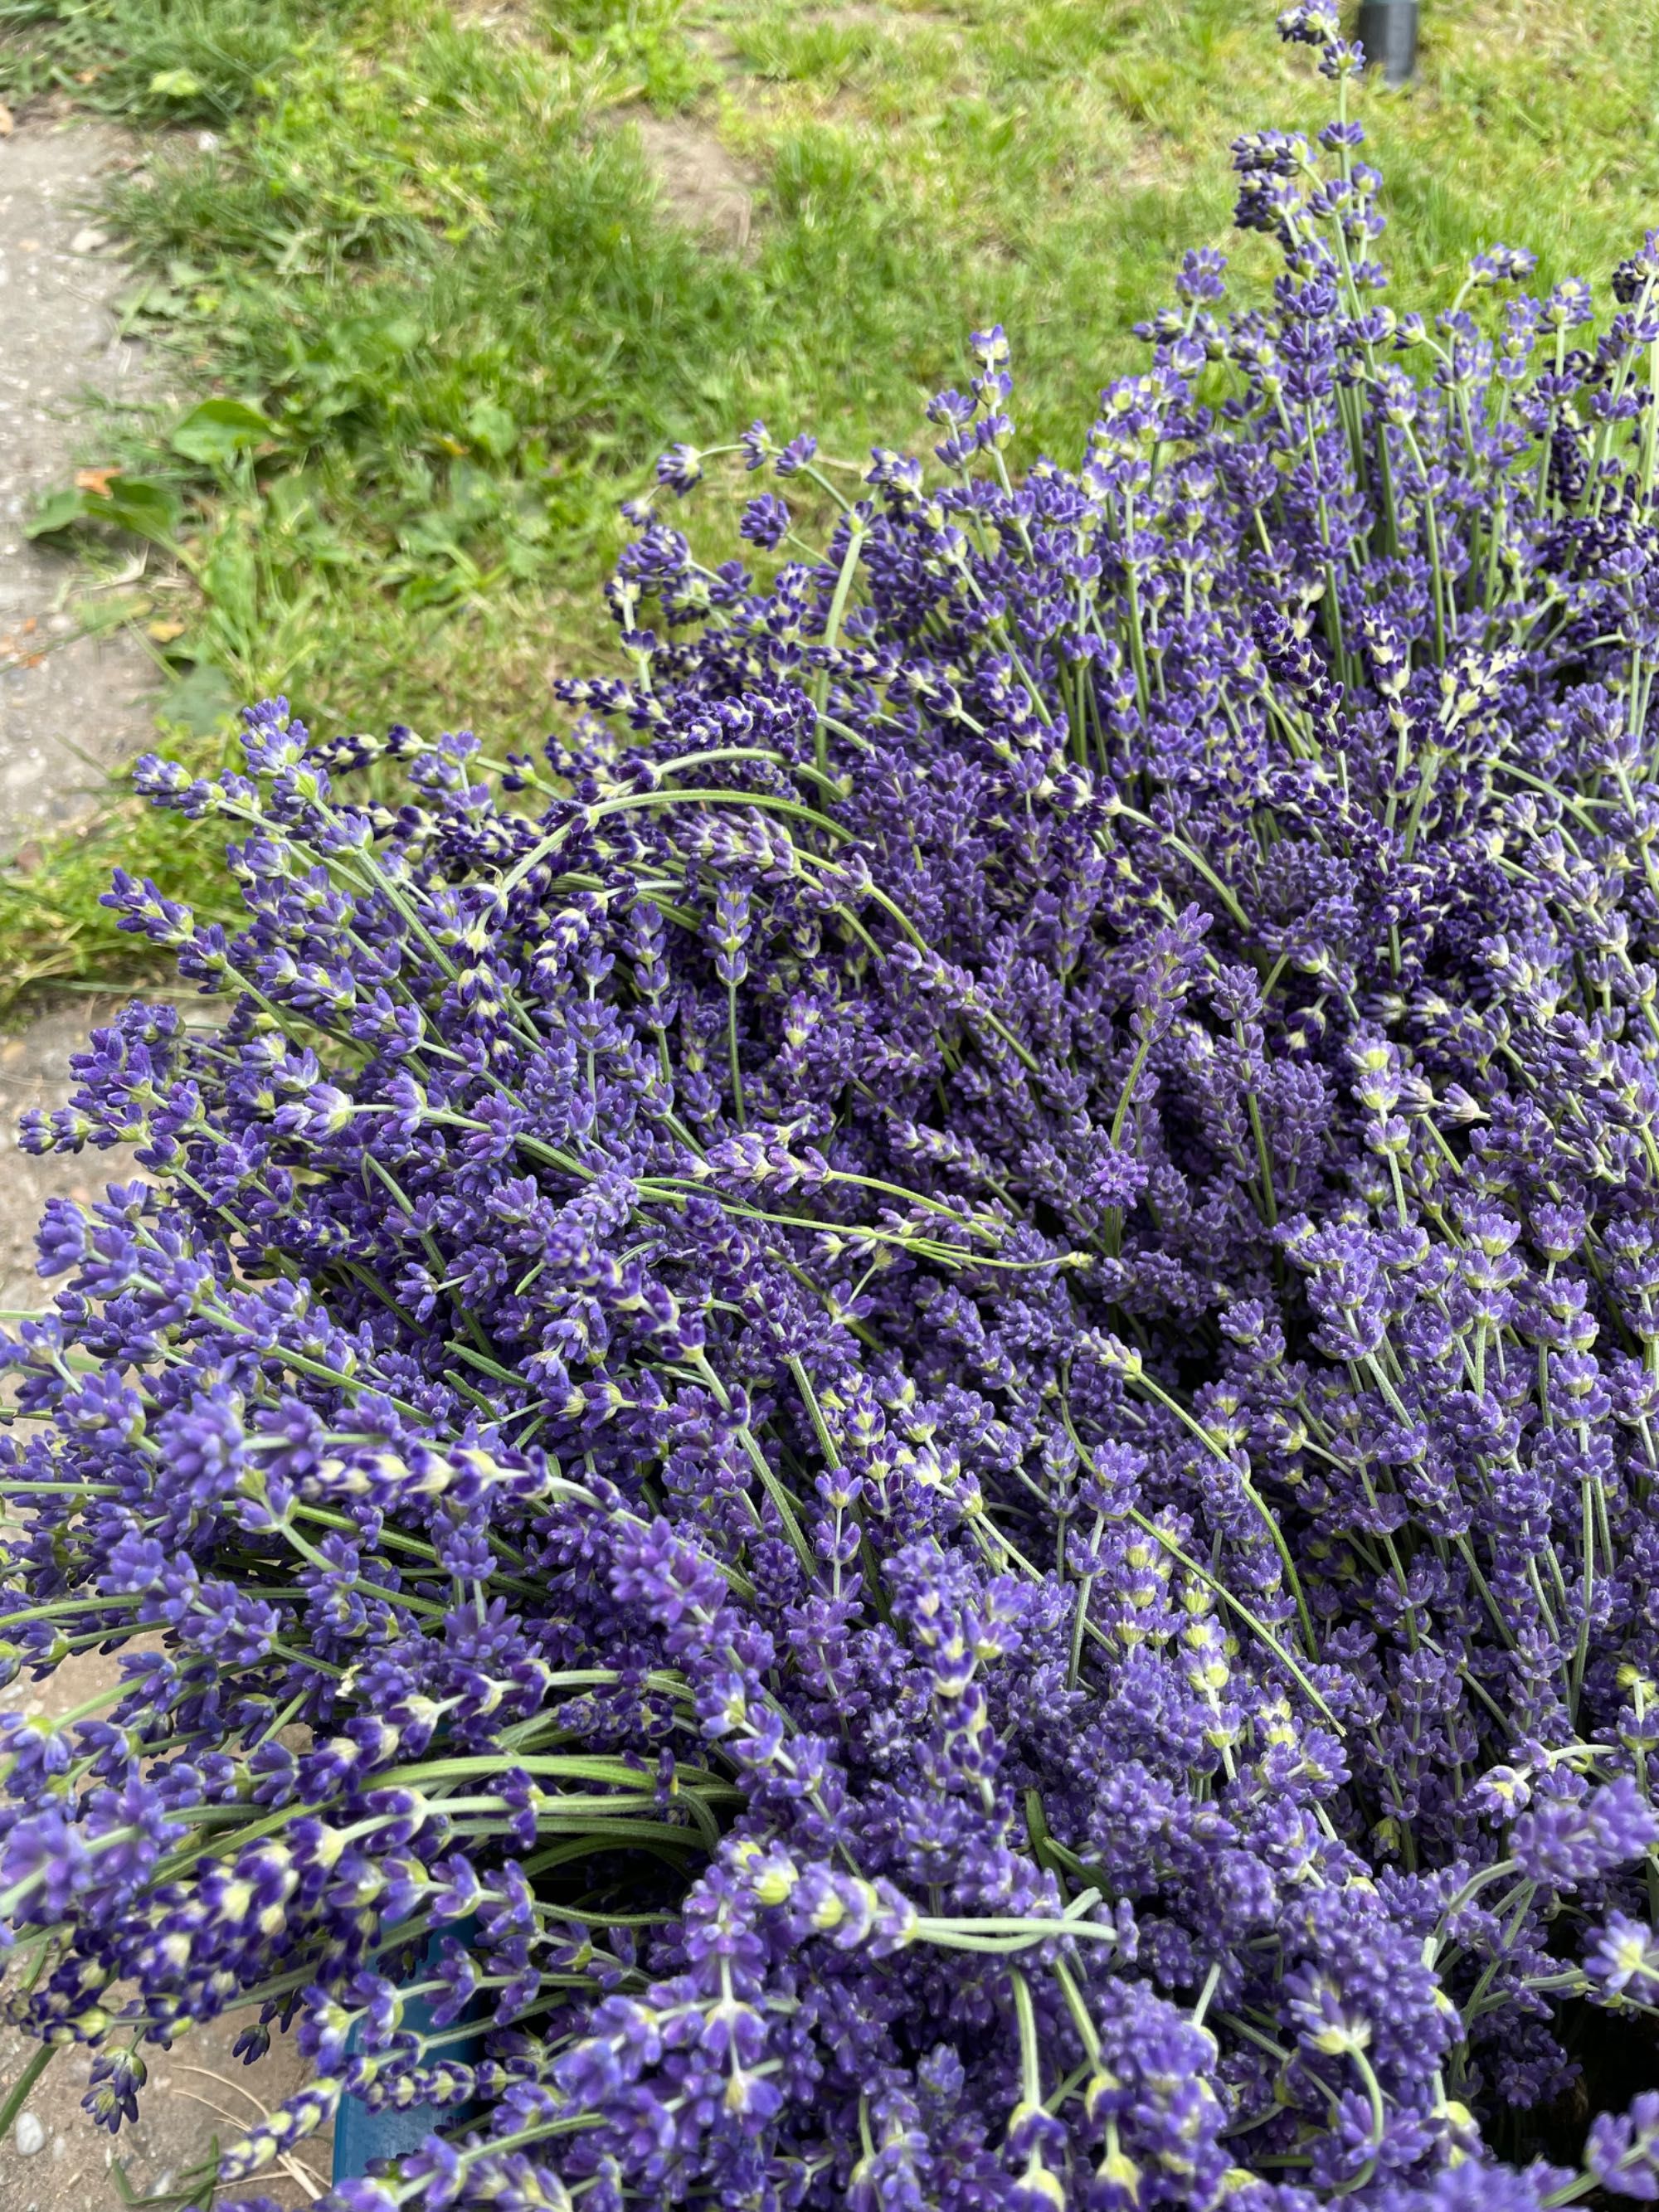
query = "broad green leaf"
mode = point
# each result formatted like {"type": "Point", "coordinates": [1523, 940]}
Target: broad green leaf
{"type": "Point", "coordinates": [148, 510]}
{"type": "Point", "coordinates": [56, 511]}
{"type": "Point", "coordinates": [218, 431]}
{"type": "Point", "coordinates": [492, 429]}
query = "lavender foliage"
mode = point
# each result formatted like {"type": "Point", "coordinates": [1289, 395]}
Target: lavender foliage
{"type": "Point", "coordinates": [934, 1371]}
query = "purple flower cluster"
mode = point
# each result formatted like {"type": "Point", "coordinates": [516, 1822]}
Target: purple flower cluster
{"type": "Point", "coordinates": [928, 1381]}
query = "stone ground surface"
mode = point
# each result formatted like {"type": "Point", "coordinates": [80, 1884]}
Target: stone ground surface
{"type": "Point", "coordinates": [70, 707]}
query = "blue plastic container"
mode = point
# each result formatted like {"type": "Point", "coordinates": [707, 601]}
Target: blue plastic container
{"type": "Point", "coordinates": [361, 2136]}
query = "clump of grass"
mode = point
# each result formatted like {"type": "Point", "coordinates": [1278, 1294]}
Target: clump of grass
{"type": "Point", "coordinates": [53, 931]}
{"type": "Point", "coordinates": [155, 62]}
{"type": "Point", "coordinates": [429, 252]}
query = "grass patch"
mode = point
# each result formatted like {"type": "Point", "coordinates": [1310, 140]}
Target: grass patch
{"type": "Point", "coordinates": [428, 249]}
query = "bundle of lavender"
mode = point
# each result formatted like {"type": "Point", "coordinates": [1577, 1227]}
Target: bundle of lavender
{"type": "Point", "coordinates": [932, 1375]}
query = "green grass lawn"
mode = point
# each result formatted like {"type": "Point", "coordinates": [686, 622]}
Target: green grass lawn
{"type": "Point", "coordinates": [450, 255]}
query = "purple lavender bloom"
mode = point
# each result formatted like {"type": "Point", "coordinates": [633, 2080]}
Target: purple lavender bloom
{"type": "Point", "coordinates": [898, 1425]}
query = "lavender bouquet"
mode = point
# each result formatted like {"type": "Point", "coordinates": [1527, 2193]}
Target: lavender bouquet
{"type": "Point", "coordinates": [932, 1375]}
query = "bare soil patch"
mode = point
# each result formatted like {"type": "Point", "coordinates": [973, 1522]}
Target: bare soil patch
{"type": "Point", "coordinates": [703, 186]}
